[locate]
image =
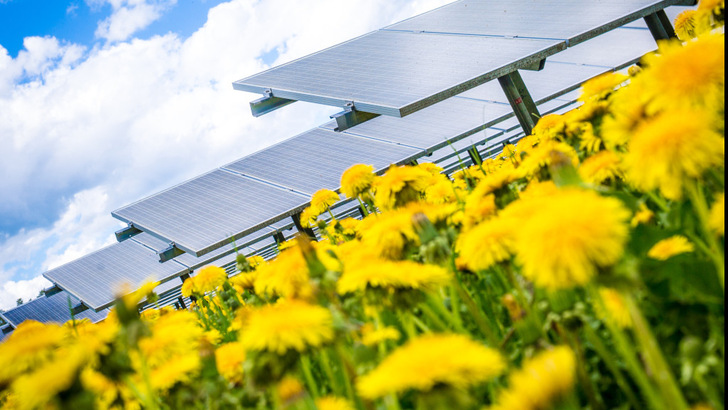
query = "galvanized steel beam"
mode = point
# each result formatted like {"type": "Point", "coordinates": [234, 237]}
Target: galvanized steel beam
{"type": "Point", "coordinates": [126, 233]}
{"type": "Point", "coordinates": [171, 252]}
{"type": "Point", "coordinates": [520, 100]}
{"type": "Point", "coordinates": [660, 26]}
{"type": "Point", "coordinates": [351, 117]}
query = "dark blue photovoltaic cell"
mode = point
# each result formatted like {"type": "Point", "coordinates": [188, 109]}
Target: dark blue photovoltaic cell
{"type": "Point", "coordinates": [54, 308]}
{"type": "Point", "coordinates": [316, 159]}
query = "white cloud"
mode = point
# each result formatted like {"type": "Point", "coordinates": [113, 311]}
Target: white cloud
{"type": "Point", "coordinates": [129, 16]}
{"type": "Point", "coordinates": [88, 131]}
{"type": "Point", "coordinates": [11, 291]}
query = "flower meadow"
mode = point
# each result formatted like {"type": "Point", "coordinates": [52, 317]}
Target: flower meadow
{"type": "Point", "coordinates": [583, 267]}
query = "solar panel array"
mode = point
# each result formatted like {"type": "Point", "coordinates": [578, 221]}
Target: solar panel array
{"type": "Point", "coordinates": [53, 308]}
{"type": "Point", "coordinates": [418, 62]}
{"type": "Point", "coordinates": [240, 206]}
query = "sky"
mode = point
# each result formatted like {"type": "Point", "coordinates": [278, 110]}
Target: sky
{"type": "Point", "coordinates": [104, 102]}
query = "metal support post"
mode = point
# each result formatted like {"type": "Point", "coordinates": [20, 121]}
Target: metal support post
{"type": "Point", "coordinates": [171, 252]}
{"type": "Point", "coordinates": [351, 117]}
{"type": "Point", "coordinates": [7, 329]}
{"type": "Point", "coordinates": [660, 26]}
{"type": "Point", "coordinates": [279, 238]}
{"type": "Point", "coordinates": [307, 231]}
{"type": "Point", "coordinates": [413, 162]}
{"type": "Point", "coordinates": [475, 155]}
{"type": "Point", "coordinates": [181, 302]}
{"type": "Point", "coordinates": [520, 100]}
{"type": "Point", "coordinates": [268, 103]}
{"type": "Point", "coordinates": [126, 233]}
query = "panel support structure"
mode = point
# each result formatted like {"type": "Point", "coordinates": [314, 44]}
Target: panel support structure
{"type": "Point", "coordinates": [475, 156]}
{"type": "Point", "coordinates": [126, 233]}
{"type": "Point", "coordinates": [279, 238]}
{"type": "Point", "coordinates": [7, 329]}
{"type": "Point", "coordinates": [181, 302]}
{"type": "Point", "coordinates": [78, 308]}
{"type": "Point", "coordinates": [172, 251]}
{"type": "Point", "coordinates": [268, 103]}
{"type": "Point", "coordinates": [660, 26]}
{"type": "Point", "coordinates": [351, 117]}
{"type": "Point", "coordinates": [307, 231]}
{"type": "Point", "coordinates": [52, 291]}
{"type": "Point", "coordinates": [536, 66]}
{"type": "Point", "coordinates": [520, 100]}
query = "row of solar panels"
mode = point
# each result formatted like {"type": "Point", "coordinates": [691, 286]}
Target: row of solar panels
{"type": "Point", "coordinates": [246, 201]}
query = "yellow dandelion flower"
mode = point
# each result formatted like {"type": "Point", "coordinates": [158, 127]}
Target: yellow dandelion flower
{"type": "Point", "coordinates": [399, 186]}
{"type": "Point", "coordinates": [244, 280]}
{"type": "Point", "coordinates": [209, 278]}
{"type": "Point", "coordinates": [668, 149]}
{"type": "Point", "coordinates": [538, 189]}
{"type": "Point", "coordinates": [543, 156]}
{"type": "Point", "coordinates": [188, 287]}
{"type": "Point", "coordinates": [255, 260]}
{"type": "Point", "coordinates": [667, 248]}
{"type": "Point", "coordinates": [131, 299]}
{"type": "Point", "coordinates": [564, 237]}
{"type": "Point", "coordinates": [429, 360]}
{"type": "Point", "coordinates": [289, 389]}
{"type": "Point", "coordinates": [634, 70]}
{"type": "Point", "coordinates": [643, 216]}
{"type": "Point", "coordinates": [229, 360]}
{"type": "Point", "coordinates": [323, 199]}
{"type": "Point", "coordinates": [716, 220]}
{"type": "Point", "coordinates": [287, 325]}
{"type": "Point", "coordinates": [430, 167]}
{"type": "Point", "coordinates": [179, 368]}
{"type": "Point", "coordinates": [440, 191]}
{"type": "Point", "coordinates": [550, 126]}
{"type": "Point", "coordinates": [477, 209]}
{"type": "Point", "coordinates": [286, 276]}
{"type": "Point", "coordinates": [391, 275]}
{"type": "Point", "coordinates": [357, 180]}
{"type": "Point", "coordinates": [173, 334]}
{"type": "Point", "coordinates": [692, 74]}
{"type": "Point", "coordinates": [601, 86]}
{"type": "Point", "coordinates": [309, 217]}
{"type": "Point", "coordinates": [388, 233]}
{"type": "Point", "coordinates": [372, 337]}
{"type": "Point", "coordinates": [37, 388]}
{"type": "Point", "coordinates": [685, 25]}
{"type": "Point", "coordinates": [333, 403]}
{"type": "Point", "coordinates": [627, 113]}
{"type": "Point", "coordinates": [285, 245]}
{"type": "Point", "coordinates": [588, 140]}
{"type": "Point", "coordinates": [601, 167]}
{"type": "Point", "coordinates": [540, 381]}
{"type": "Point", "coordinates": [349, 226]}
{"type": "Point", "coordinates": [486, 244]}
{"type": "Point", "coordinates": [615, 308]}
{"type": "Point", "coordinates": [27, 347]}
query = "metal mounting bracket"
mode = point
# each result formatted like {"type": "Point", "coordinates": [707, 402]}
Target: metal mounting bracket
{"type": "Point", "coordinates": [307, 231]}
{"type": "Point", "coordinates": [536, 65]}
{"type": "Point", "coordinates": [520, 100]}
{"type": "Point", "coordinates": [170, 252]}
{"type": "Point", "coordinates": [660, 25]}
{"type": "Point", "coordinates": [351, 117]}
{"type": "Point", "coordinates": [181, 302]}
{"type": "Point", "coordinates": [279, 238]}
{"type": "Point", "coordinates": [52, 291]}
{"type": "Point", "coordinates": [78, 309]}
{"type": "Point", "coordinates": [126, 233]}
{"type": "Point", "coordinates": [268, 103]}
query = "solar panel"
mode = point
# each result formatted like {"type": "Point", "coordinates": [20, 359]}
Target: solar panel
{"type": "Point", "coordinates": [96, 277]}
{"type": "Point", "coordinates": [204, 213]}
{"type": "Point", "coordinates": [53, 308]}
{"type": "Point", "coordinates": [316, 159]}
{"type": "Point", "coordinates": [618, 46]}
{"type": "Point", "coordinates": [398, 73]}
{"type": "Point", "coordinates": [569, 20]}
{"type": "Point", "coordinates": [410, 65]}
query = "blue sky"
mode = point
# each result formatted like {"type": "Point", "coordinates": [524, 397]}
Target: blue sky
{"type": "Point", "coordinates": [103, 102]}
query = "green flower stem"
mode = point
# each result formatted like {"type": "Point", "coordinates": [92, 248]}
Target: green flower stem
{"type": "Point", "coordinates": [654, 358]}
{"type": "Point", "coordinates": [595, 402]}
{"type": "Point", "coordinates": [348, 371]}
{"type": "Point", "coordinates": [480, 320]}
{"type": "Point", "coordinates": [434, 319]}
{"type": "Point", "coordinates": [629, 355]}
{"type": "Point", "coordinates": [308, 376]}
{"type": "Point", "coordinates": [362, 206]}
{"type": "Point", "coordinates": [326, 365]}
{"type": "Point", "coordinates": [455, 307]}
{"type": "Point", "coordinates": [422, 326]}
{"type": "Point", "coordinates": [436, 307]}
{"type": "Point", "coordinates": [611, 362]}
{"type": "Point", "coordinates": [658, 201]}
{"type": "Point", "coordinates": [701, 209]}
{"type": "Point", "coordinates": [391, 402]}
